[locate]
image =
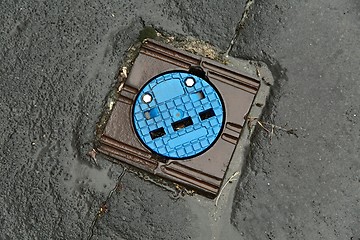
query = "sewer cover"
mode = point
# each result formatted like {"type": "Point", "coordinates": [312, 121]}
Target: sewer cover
{"type": "Point", "coordinates": [178, 115]}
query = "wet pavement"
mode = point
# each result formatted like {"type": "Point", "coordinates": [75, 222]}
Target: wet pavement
{"type": "Point", "coordinates": [306, 187]}
{"type": "Point", "coordinates": [60, 60]}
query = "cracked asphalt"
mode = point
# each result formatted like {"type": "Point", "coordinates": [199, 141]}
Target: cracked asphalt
{"type": "Point", "coordinates": [59, 61]}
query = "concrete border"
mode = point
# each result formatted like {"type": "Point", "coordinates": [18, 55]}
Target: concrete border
{"type": "Point", "coordinates": [218, 217]}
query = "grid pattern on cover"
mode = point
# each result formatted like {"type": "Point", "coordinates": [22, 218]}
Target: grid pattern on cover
{"type": "Point", "coordinates": [180, 121]}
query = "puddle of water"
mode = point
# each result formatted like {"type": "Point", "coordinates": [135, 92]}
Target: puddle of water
{"type": "Point", "coordinates": [93, 178]}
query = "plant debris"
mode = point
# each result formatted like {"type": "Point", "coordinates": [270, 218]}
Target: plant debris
{"type": "Point", "coordinates": [230, 180]}
{"type": "Point", "coordinates": [269, 127]}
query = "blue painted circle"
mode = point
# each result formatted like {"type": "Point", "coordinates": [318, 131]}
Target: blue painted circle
{"type": "Point", "coordinates": [180, 121]}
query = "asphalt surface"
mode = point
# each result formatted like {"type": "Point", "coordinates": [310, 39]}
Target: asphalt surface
{"type": "Point", "coordinates": [306, 187]}
{"type": "Point", "coordinates": [60, 60]}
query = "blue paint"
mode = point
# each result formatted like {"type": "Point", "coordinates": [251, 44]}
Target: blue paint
{"type": "Point", "coordinates": [167, 90]}
{"type": "Point", "coordinates": [180, 140]}
{"type": "Point", "coordinates": [175, 107]}
{"type": "Point", "coordinates": [154, 113]}
{"type": "Point", "coordinates": [178, 114]}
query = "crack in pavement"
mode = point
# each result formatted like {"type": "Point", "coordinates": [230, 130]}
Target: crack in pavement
{"type": "Point", "coordinates": [240, 25]}
{"type": "Point", "coordinates": [104, 205]}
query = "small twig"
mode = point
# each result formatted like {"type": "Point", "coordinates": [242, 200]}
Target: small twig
{"type": "Point", "coordinates": [175, 195]}
{"type": "Point", "coordinates": [269, 127]}
{"type": "Point", "coordinates": [92, 154]}
{"type": "Point", "coordinates": [124, 72]}
{"type": "Point", "coordinates": [181, 192]}
{"type": "Point", "coordinates": [250, 121]}
{"type": "Point", "coordinates": [230, 180]}
{"type": "Point", "coordinates": [261, 125]}
{"type": "Point", "coordinates": [122, 77]}
{"type": "Point", "coordinates": [104, 205]}
{"type": "Point", "coordinates": [290, 131]}
{"type": "Point", "coordinates": [257, 71]}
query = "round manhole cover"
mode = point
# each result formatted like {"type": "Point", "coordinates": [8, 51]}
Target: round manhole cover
{"type": "Point", "coordinates": [178, 115]}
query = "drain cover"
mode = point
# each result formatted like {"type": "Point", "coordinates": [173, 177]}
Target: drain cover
{"type": "Point", "coordinates": [179, 116]}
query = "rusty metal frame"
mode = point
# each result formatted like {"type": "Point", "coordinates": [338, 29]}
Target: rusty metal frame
{"type": "Point", "coordinates": [203, 173]}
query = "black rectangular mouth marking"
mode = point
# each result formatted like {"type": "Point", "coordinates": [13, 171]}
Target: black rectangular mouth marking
{"type": "Point", "coordinates": [183, 123]}
{"type": "Point", "coordinates": [207, 114]}
{"type": "Point", "coordinates": [157, 133]}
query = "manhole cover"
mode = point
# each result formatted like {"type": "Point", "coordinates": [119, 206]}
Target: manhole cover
{"type": "Point", "coordinates": [179, 116]}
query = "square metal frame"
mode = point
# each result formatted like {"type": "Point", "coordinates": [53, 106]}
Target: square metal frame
{"type": "Point", "coordinates": [205, 172]}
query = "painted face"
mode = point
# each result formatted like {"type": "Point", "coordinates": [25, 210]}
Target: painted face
{"type": "Point", "coordinates": [178, 115]}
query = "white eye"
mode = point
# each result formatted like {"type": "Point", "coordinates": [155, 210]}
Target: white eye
{"type": "Point", "coordinates": [147, 98]}
{"type": "Point", "coordinates": [189, 82]}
